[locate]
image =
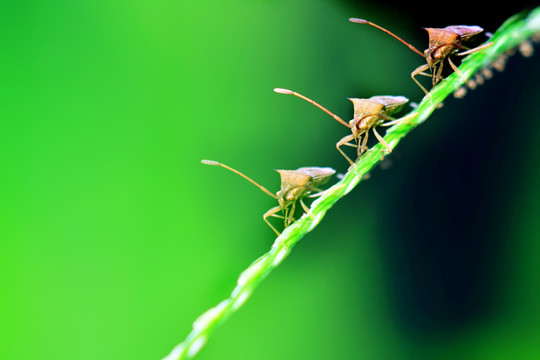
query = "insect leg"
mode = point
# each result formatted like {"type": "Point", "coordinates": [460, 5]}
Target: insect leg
{"type": "Point", "coordinates": [344, 141]}
{"type": "Point", "coordinates": [351, 145]}
{"type": "Point", "coordinates": [306, 209]}
{"type": "Point", "coordinates": [317, 194]}
{"type": "Point", "coordinates": [418, 71]}
{"type": "Point", "coordinates": [272, 212]}
{"type": "Point", "coordinates": [478, 48]}
{"type": "Point", "coordinates": [438, 75]}
{"type": "Point", "coordinates": [456, 69]}
{"type": "Point", "coordinates": [290, 213]}
{"type": "Point", "coordinates": [393, 122]}
{"type": "Point", "coordinates": [382, 141]}
{"type": "Point", "coordinates": [425, 74]}
{"type": "Point", "coordinates": [397, 121]}
{"type": "Point", "coordinates": [363, 148]}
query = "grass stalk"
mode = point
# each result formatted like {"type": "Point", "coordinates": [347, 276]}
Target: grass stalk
{"type": "Point", "coordinates": [513, 32]}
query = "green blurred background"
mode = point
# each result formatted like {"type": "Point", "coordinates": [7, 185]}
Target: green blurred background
{"type": "Point", "coordinates": [115, 237]}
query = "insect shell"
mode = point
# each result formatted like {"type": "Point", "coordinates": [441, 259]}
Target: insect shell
{"type": "Point", "coordinates": [297, 184]}
{"type": "Point", "coordinates": [371, 112]}
{"type": "Point", "coordinates": [444, 42]}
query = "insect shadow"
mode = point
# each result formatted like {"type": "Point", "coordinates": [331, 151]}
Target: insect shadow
{"type": "Point", "coordinates": [368, 114]}
{"type": "Point", "coordinates": [295, 186]}
{"type": "Point", "coordinates": [443, 43]}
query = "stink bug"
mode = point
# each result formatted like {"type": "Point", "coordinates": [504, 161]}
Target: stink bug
{"type": "Point", "coordinates": [295, 186]}
{"type": "Point", "coordinates": [368, 114]}
{"type": "Point", "coordinates": [443, 43]}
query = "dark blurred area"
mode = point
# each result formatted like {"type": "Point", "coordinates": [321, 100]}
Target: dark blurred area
{"type": "Point", "coordinates": [445, 255]}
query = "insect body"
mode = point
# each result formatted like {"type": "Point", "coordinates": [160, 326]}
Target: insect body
{"type": "Point", "coordinates": [368, 114]}
{"type": "Point", "coordinates": [443, 43]}
{"type": "Point", "coordinates": [295, 186]}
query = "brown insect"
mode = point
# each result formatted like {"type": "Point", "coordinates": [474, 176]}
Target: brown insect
{"type": "Point", "coordinates": [295, 186]}
{"type": "Point", "coordinates": [443, 43]}
{"type": "Point", "coordinates": [368, 114]}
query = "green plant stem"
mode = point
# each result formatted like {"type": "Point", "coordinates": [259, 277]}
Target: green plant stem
{"type": "Point", "coordinates": [515, 30]}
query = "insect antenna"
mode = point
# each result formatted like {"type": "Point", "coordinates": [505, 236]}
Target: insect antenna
{"type": "Point", "coordinates": [290, 92]}
{"type": "Point", "coordinates": [215, 163]}
{"type": "Point", "coordinates": [362, 21]}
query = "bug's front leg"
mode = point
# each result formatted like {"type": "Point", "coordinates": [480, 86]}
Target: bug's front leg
{"type": "Point", "coordinates": [344, 141]}
{"type": "Point", "coordinates": [272, 212]}
{"type": "Point", "coordinates": [437, 75]}
{"type": "Point", "coordinates": [363, 147]}
{"type": "Point", "coordinates": [420, 71]}
{"type": "Point", "coordinates": [456, 69]}
{"type": "Point", "coordinates": [382, 141]}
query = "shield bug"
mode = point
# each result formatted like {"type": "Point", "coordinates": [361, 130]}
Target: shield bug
{"type": "Point", "coordinates": [443, 43]}
{"type": "Point", "coordinates": [368, 114]}
{"type": "Point", "coordinates": [295, 186]}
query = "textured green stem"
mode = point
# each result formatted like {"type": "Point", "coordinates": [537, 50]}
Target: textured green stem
{"type": "Point", "coordinates": [514, 31]}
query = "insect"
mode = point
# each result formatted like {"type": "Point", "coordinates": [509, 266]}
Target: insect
{"type": "Point", "coordinates": [443, 43]}
{"type": "Point", "coordinates": [368, 114]}
{"type": "Point", "coordinates": [295, 185]}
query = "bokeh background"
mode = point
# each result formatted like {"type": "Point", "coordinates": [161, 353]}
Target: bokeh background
{"type": "Point", "coordinates": [115, 237]}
